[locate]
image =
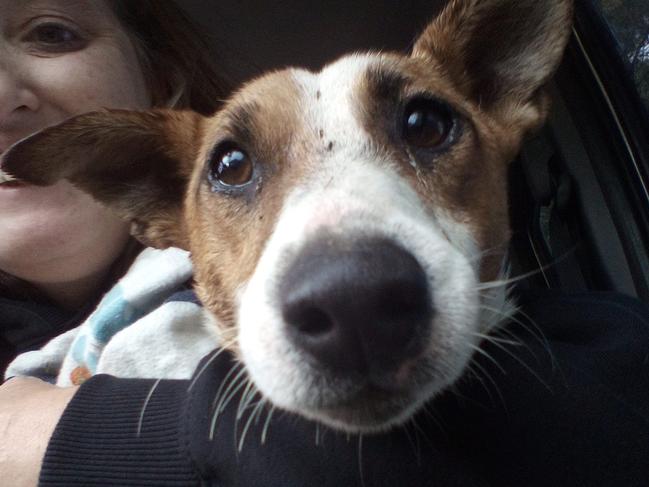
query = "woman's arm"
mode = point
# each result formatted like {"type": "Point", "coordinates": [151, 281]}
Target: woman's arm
{"type": "Point", "coordinates": [29, 412]}
{"type": "Point", "coordinates": [571, 408]}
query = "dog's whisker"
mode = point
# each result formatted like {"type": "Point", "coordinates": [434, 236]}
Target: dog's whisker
{"type": "Point", "coordinates": [506, 316]}
{"type": "Point", "coordinates": [492, 338]}
{"type": "Point", "coordinates": [500, 283]}
{"type": "Point", "coordinates": [240, 407]}
{"type": "Point", "coordinates": [246, 398]}
{"type": "Point", "coordinates": [259, 408]}
{"type": "Point", "coordinates": [539, 333]}
{"type": "Point", "coordinates": [264, 431]}
{"type": "Point", "coordinates": [317, 434]}
{"type": "Point", "coordinates": [239, 382]}
{"type": "Point", "coordinates": [224, 403]}
{"type": "Point", "coordinates": [488, 357]}
{"type": "Point", "coordinates": [507, 281]}
{"type": "Point", "coordinates": [429, 411]}
{"type": "Point", "coordinates": [495, 310]}
{"type": "Point", "coordinates": [420, 432]}
{"type": "Point", "coordinates": [473, 373]}
{"type": "Point", "coordinates": [540, 336]}
{"type": "Point", "coordinates": [513, 280]}
{"type": "Point", "coordinates": [416, 448]}
{"type": "Point", "coordinates": [360, 459]}
{"type": "Point", "coordinates": [524, 364]}
{"type": "Point", "coordinates": [220, 395]}
{"type": "Point", "coordinates": [517, 341]}
{"type": "Point", "coordinates": [479, 256]}
{"type": "Point", "coordinates": [251, 419]}
{"type": "Point", "coordinates": [493, 382]}
{"type": "Point", "coordinates": [146, 403]}
{"type": "Point", "coordinates": [208, 362]}
{"type": "Point", "coordinates": [534, 330]}
{"type": "Point", "coordinates": [224, 384]}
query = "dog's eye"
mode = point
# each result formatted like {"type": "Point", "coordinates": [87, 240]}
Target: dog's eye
{"type": "Point", "coordinates": [231, 166]}
{"type": "Point", "coordinates": [427, 123]}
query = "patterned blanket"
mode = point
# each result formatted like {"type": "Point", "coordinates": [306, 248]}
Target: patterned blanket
{"type": "Point", "coordinates": [148, 325]}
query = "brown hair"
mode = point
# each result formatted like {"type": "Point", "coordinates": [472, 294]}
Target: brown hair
{"type": "Point", "coordinates": [180, 72]}
{"type": "Point", "coordinates": [178, 65]}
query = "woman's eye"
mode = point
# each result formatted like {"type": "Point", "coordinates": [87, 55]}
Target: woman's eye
{"type": "Point", "coordinates": [427, 123]}
{"type": "Point", "coordinates": [231, 166]}
{"type": "Point", "coordinates": [55, 37]}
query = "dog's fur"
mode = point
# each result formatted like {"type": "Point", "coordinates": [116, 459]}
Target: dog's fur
{"type": "Point", "coordinates": [330, 169]}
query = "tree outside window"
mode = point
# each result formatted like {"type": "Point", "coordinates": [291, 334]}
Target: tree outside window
{"type": "Point", "coordinates": [629, 20]}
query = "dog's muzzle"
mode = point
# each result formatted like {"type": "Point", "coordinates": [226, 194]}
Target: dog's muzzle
{"type": "Point", "coordinates": [357, 308]}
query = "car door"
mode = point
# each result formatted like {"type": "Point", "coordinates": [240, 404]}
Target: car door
{"type": "Point", "coordinates": [580, 204]}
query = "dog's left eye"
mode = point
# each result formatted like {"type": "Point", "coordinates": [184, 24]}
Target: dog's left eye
{"type": "Point", "coordinates": [427, 123]}
{"type": "Point", "coordinates": [231, 166]}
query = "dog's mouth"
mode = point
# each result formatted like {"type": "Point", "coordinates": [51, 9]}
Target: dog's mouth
{"type": "Point", "coordinates": [370, 405]}
{"type": "Point", "coordinates": [12, 184]}
{"type": "Point", "coordinates": [371, 409]}
{"type": "Point", "coordinates": [8, 181]}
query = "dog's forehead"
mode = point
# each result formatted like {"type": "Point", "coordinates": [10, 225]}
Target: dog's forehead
{"type": "Point", "coordinates": [330, 105]}
{"type": "Point", "coordinates": [297, 107]}
{"type": "Point", "coordinates": [300, 98]}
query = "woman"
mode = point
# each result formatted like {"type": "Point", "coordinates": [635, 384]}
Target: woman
{"type": "Point", "coordinates": [60, 250]}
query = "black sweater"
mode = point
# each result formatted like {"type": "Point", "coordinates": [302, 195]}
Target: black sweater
{"type": "Point", "coordinates": [568, 406]}
{"type": "Point", "coordinates": [28, 325]}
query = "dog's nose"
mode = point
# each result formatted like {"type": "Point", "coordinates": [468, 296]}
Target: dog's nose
{"type": "Point", "coordinates": [361, 306]}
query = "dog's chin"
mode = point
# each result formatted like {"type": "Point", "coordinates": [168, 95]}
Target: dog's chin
{"type": "Point", "coordinates": [371, 410]}
{"type": "Point", "coordinates": [369, 406]}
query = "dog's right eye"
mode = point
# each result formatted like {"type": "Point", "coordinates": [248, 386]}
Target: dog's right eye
{"type": "Point", "coordinates": [230, 166]}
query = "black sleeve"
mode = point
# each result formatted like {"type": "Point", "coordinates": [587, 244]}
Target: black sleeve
{"type": "Point", "coordinates": [559, 397]}
{"type": "Point", "coordinates": [120, 432]}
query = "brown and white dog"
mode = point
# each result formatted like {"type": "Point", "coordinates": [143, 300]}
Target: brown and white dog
{"type": "Point", "coordinates": [348, 227]}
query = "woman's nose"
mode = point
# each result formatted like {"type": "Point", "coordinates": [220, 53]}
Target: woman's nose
{"type": "Point", "coordinates": [16, 96]}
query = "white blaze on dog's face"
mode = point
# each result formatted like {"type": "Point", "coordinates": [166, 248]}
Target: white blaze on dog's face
{"type": "Point", "coordinates": [342, 222]}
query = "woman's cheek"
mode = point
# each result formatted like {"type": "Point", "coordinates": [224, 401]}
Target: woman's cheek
{"type": "Point", "coordinates": [58, 233]}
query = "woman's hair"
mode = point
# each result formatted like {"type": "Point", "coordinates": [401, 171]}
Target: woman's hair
{"type": "Point", "coordinates": [178, 66]}
{"type": "Point", "coordinates": [180, 72]}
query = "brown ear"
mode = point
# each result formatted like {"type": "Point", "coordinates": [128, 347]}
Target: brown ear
{"type": "Point", "coordinates": [500, 52]}
{"type": "Point", "coordinates": [136, 163]}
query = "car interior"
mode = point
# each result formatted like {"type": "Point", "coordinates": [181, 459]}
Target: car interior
{"type": "Point", "coordinates": [580, 187]}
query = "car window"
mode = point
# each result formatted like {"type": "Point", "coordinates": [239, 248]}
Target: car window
{"type": "Point", "coordinates": [629, 22]}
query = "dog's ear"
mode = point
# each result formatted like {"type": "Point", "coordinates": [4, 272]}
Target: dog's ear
{"type": "Point", "coordinates": [136, 163]}
{"type": "Point", "coordinates": [500, 52]}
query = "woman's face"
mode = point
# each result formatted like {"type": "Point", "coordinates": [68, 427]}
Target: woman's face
{"type": "Point", "coordinates": [59, 58]}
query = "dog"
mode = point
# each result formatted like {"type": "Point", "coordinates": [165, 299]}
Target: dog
{"type": "Point", "coordinates": [348, 227]}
